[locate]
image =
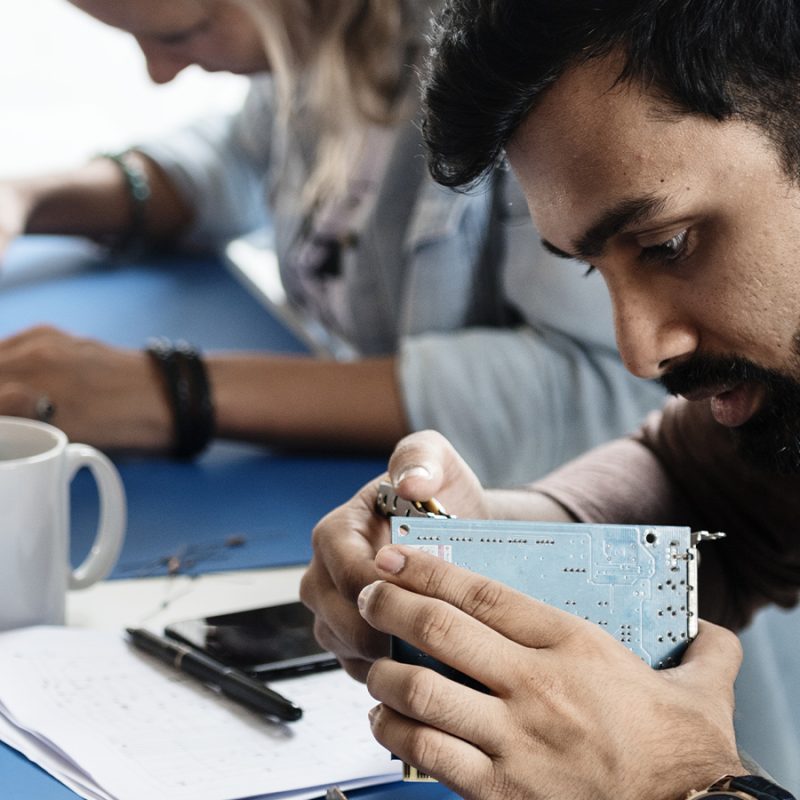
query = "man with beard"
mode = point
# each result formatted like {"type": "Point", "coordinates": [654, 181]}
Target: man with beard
{"type": "Point", "coordinates": [657, 141]}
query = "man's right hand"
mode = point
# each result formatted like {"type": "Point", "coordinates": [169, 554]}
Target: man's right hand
{"type": "Point", "coordinates": [423, 465]}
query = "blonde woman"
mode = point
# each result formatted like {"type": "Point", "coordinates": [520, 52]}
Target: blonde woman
{"type": "Point", "coordinates": [462, 321]}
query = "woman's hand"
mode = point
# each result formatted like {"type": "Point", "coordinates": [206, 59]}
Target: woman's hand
{"type": "Point", "coordinates": [101, 395]}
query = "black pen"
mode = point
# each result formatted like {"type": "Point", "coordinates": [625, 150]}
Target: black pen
{"type": "Point", "coordinates": [232, 682]}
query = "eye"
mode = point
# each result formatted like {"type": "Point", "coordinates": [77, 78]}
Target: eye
{"type": "Point", "coordinates": [182, 37]}
{"type": "Point", "coordinates": [175, 39]}
{"type": "Point", "coordinates": [673, 249]}
{"type": "Point", "coordinates": [589, 270]}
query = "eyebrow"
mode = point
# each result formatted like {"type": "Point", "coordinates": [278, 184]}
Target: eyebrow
{"type": "Point", "coordinates": [628, 212]}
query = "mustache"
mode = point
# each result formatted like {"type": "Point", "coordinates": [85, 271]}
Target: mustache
{"type": "Point", "coordinates": [708, 372]}
{"type": "Point", "coordinates": [770, 440]}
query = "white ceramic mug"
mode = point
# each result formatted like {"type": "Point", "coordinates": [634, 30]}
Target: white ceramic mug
{"type": "Point", "coordinates": [37, 465]}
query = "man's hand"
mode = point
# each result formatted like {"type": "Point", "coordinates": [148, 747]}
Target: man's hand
{"type": "Point", "coordinates": [571, 712]}
{"type": "Point", "coordinates": [104, 396]}
{"type": "Point", "coordinates": [423, 465]}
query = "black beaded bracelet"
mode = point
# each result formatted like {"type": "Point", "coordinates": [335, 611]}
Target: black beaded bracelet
{"type": "Point", "coordinates": [189, 394]}
{"type": "Point", "coordinates": [134, 238]}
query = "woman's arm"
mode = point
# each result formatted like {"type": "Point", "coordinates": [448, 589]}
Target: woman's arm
{"type": "Point", "coordinates": [308, 401]}
{"type": "Point", "coordinates": [93, 200]}
{"type": "Point", "coordinates": [114, 398]}
{"type": "Point", "coordinates": [204, 179]}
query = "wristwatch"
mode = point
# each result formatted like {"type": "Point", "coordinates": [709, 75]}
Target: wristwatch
{"type": "Point", "coordinates": [744, 787]}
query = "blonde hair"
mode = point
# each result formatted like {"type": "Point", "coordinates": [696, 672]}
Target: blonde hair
{"type": "Point", "coordinates": [347, 63]}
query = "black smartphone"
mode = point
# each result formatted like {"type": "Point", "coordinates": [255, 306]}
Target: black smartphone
{"type": "Point", "coordinates": [269, 643]}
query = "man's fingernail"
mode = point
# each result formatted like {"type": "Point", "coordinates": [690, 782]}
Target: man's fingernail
{"type": "Point", "coordinates": [389, 559]}
{"type": "Point", "coordinates": [373, 715]}
{"type": "Point", "coordinates": [363, 595]}
{"type": "Point", "coordinates": [417, 471]}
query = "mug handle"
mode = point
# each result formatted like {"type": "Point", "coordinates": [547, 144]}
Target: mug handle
{"type": "Point", "coordinates": [111, 527]}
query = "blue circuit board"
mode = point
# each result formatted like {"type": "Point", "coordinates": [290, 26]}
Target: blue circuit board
{"type": "Point", "coordinates": [639, 582]}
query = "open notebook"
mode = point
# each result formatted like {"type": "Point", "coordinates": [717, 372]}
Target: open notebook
{"type": "Point", "coordinates": [113, 724]}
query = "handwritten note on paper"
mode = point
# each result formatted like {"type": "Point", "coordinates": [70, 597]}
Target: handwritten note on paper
{"type": "Point", "coordinates": [138, 729]}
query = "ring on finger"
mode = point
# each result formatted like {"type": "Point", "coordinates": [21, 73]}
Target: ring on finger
{"type": "Point", "coordinates": [45, 409]}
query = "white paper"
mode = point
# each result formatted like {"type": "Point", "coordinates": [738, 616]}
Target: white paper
{"type": "Point", "coordinates": [112, 722]}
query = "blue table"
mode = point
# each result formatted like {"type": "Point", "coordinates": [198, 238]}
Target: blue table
{"type": "Point", "coordinates": [270, 499]}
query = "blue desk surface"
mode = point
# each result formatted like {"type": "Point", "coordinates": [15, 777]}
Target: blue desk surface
{"type": "Point", "coordinates": [270, 499]}
{"type": "Point", "coordinates": [22, 780]}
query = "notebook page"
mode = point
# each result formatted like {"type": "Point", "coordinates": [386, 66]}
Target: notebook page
{"type": "Point", "coordinates": [141, 730]}
{"type": "Point", "coordinates": [58, 767]}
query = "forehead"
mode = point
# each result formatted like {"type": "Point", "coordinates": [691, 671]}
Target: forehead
{"type": "Point", "coordinates": [592, 144]}
{"type": "Point", "coordinates": [147, 17]}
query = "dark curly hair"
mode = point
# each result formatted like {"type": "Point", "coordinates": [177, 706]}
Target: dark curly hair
{"type": "Point", "coordinates": [491, 60]}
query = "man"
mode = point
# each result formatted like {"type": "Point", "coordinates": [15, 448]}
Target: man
{"type": "Point", "coordinates": [656, 141]}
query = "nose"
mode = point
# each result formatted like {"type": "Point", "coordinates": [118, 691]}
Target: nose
{"type": "Point", "coordinates": [162, 67]}
{"type": "Point", "coordinates": [654, 333]}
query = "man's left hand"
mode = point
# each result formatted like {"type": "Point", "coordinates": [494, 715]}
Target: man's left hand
{"type": "Point", "coordinates": [571, 712]}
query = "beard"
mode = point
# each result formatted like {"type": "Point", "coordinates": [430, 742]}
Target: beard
{"type": "Point", "coordinates": [770, 439]}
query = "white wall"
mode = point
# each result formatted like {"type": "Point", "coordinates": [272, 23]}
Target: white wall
{"type": "Point", "coordinates": [70, 87]}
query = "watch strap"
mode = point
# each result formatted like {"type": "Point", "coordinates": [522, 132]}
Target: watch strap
{"type": "Point", "coordinates": [759, 788]}
{"type": "Point", "coordinates": [751, 787]}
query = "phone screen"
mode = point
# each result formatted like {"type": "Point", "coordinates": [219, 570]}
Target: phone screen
{"type": "Point", "coordinates": [274, 641]}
